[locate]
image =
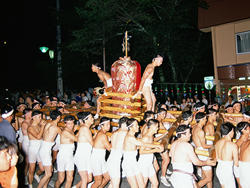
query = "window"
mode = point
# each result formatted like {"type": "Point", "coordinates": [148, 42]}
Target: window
{"type": "Point", "coordinates": [243, 42]}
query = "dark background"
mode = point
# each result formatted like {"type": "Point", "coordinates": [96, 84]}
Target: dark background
{"type": "Point", "coordinates": [26, 25]}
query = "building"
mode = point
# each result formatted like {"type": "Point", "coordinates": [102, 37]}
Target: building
{"type": "Point", "coordinates": [229, 23]}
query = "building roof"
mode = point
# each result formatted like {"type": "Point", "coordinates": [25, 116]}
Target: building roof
{"type": "Point", "coordinates": [221, 12]}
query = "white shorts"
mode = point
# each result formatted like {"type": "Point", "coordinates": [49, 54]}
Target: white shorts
{"type": "Point", "coordinates": [129, 164]}
{"type": "Point", "coordinates": [65, 158]}
{"type": "Point", "coordinates": [114, 163]}
{"type": "Point", "coordinates": [145, 164]}
{"type": "Point", "coordinates": [25, 145]}
{"type": "Point", "coordinates": [57, 145]}
{"type": "Point", "coordinates": [45, 153]}
{"type": "Point", "coordinates": [244, 169]}
{"type": "Point", "coordinates": [224, 172]}
{"type": "Point", "coordinates": [82, 157]}
{"type": "Point", "coordinates": [179, 179]}
{"type": "Point", "coordinates": [20, 135]}
{"type": "Point", "coordinates": [204, 158]}
{"type": "Point", "coordinates": [98, 163]}
{"type": "Point", "coordinates": [34, 146]}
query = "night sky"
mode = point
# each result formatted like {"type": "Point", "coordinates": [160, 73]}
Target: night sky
{"type": "Point", "coordinates": [25, 25]}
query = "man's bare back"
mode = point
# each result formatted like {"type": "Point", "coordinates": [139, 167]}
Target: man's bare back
{"type": "Point", "coordinates": [224, 150]}
{"type": "Point", "coordinates": [245, 152]}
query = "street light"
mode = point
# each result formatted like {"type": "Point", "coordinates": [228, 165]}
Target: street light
{"type": "Point", "coordinates": [44, 49]}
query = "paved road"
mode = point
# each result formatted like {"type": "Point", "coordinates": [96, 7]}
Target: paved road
{"type": "Point", "coordinates": [124, 182]}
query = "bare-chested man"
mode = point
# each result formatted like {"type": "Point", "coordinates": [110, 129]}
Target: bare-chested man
{"type": "Point", "coordinates": [209, 127]}
{"type": "Point", "coordinates": [227, 156]}
{"type": "Point", "coordinates": [147, 116]}
{"type": "Point", "coordinates": [182, 158]}
{"type": "Point", "coordinates": [146, 158]}
{"type": "Point", "coordinates": [114, 160]}
{"type": "Point", "coordinates": [65, 158]}
{"type": "Point", "coordinates": [35, 133]}
{"type": "Point", "coordinates": [25, 143]}
{"type": "Point", "coordinates": [243, 134]}
{"type": "Point", "coordinates": [50, 133]}
{"type": "Point", "coordinates": [82, 156]}
{"type": "Point", "coordinates": [105, 78]}
{"type": "Point", "coordinates": [130, 164]}
{"type": "Point", "coordinates": [198, 137]}
{"type": "Point", "coordinates": [244, 152]}
{"type": "Point", "coordinates": [145, 87]}
{"type": "Point", "coordinates": [98, 163]}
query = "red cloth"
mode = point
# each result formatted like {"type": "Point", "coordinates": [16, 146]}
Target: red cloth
{"type": "Point", "coordinates": [138, 75]}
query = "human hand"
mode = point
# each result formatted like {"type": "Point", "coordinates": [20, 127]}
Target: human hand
{"type": "Point", "coordinates": [211, 162]}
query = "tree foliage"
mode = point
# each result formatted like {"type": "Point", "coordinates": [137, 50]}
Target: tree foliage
{"type": "Point", "coordinates": [166, 27]}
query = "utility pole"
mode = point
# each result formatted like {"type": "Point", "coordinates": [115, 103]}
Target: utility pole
{"type": "Point", "coordinates": [59, 52]}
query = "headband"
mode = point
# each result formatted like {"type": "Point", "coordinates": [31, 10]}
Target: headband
{"type": "Point", "coordinates": [86, 117]}
{"type": "Point", "coordinates": [181, 132]}
{"type": "Point", "coordinates": [104, 122]}
{"type": "Point", "coordinates": [246, 116]}
{"type": "Point", "coordinates": [4, 116]}
{"type": "Point", "coordinates": [198, 108]}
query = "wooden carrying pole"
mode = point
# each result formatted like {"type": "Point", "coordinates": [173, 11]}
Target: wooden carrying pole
{"type": "Point", "coordinates": [126, 43]}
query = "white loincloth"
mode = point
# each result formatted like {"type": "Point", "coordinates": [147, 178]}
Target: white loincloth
{"type": "Point", "coordinates": [148, 83]}
{"type": "Point", "coordinates": [98, 163]}
{"type": "Point", "coordinates": [34, 146]}
{"type": "Point", "coordinates": [19, 135]}
{"type": "Point", "coordinates": [82, 156]}
{"type": "Point", "coordinates": [57, 141]}
{"type": "Point", "coordinates": [45, 153]}
{"type": "Point", "coordinates": [109, 83]}
{"type": "Point", "coordinates": [114, 163]}
{"type": "Point", "coordinates": [65, 158]}
{"type": "Point", "coordinates": [244, 169]}
{"type": "Point", "coordinates": [129, 164]}
{"type": "Point", "coordinates": [203, 158]}
{"type": "Point", "coordinates": [25, 145]}
{"type": "Point", "coordinates": [224, 172]}
{"type": "Point", "coordinates": [180, 179]}
{"type": "Point", "coordinates": [145, 164]}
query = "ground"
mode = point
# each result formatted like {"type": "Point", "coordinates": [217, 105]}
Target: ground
{"type": "Point", "coordinates": [124, 182]}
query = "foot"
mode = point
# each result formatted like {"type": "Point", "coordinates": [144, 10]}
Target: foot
{"type": "Point", "coordinates": [26, 180]}
{"type": "Point", "coordinates": [169, 171]}
{"type": "Point", "coordinates": [37, 178]}
{"type": "Point", "coordinates": [55, 170]}
{"type": "Point", "coordinates": [96, 116]}
{"type": "Point", "coordinates": [164, 181]}
{"type": "Point", "coordinates": [52, 183]}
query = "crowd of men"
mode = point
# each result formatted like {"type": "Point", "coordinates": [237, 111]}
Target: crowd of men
{"type": "Point", "coordinates": [132, 148]}
{"type": "Point", "coordinates": [189, 144]}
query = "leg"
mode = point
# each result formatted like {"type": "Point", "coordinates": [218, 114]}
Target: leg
{"type": "Point", "coordinates": [153, 100]}
{"type": "Point", "coordinates": [45, 179]}
{"type": "Point", "coordinates": [115, 182]}
{"type": "Point", "coordinates": [41, 169]}
{"type": "Point", "coordinates": [132, 181]}
{"type": "Point", "coordinates": [105, 179]}
{"type": "Point", "coordinates": [140, 180]}
{"type": "Point", "coordinates": [165, 162]}
{"type": "Point", "coordinates": [84, 178]}
{"type": "Point", "coordinates": [207, 176]}
{"type": "Point", "coordinates": [54, 155]}
{"type": "Point", "coordinates": [154, 181]}
{"type": "Point", "coordinates": [32, 167]}
{"type": "Point", "coordinates": [98, 181]}
{"type": "Point", "coordinates": [60, 179]}
{"type": "Point", "coordinates": [147, 95]}
{"type": "Point", "coordinates": [156, 166]}
{"type": "Point", "coordinates": [69, 179]}
{"type": "Point", "coordinates": [238, 182]}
